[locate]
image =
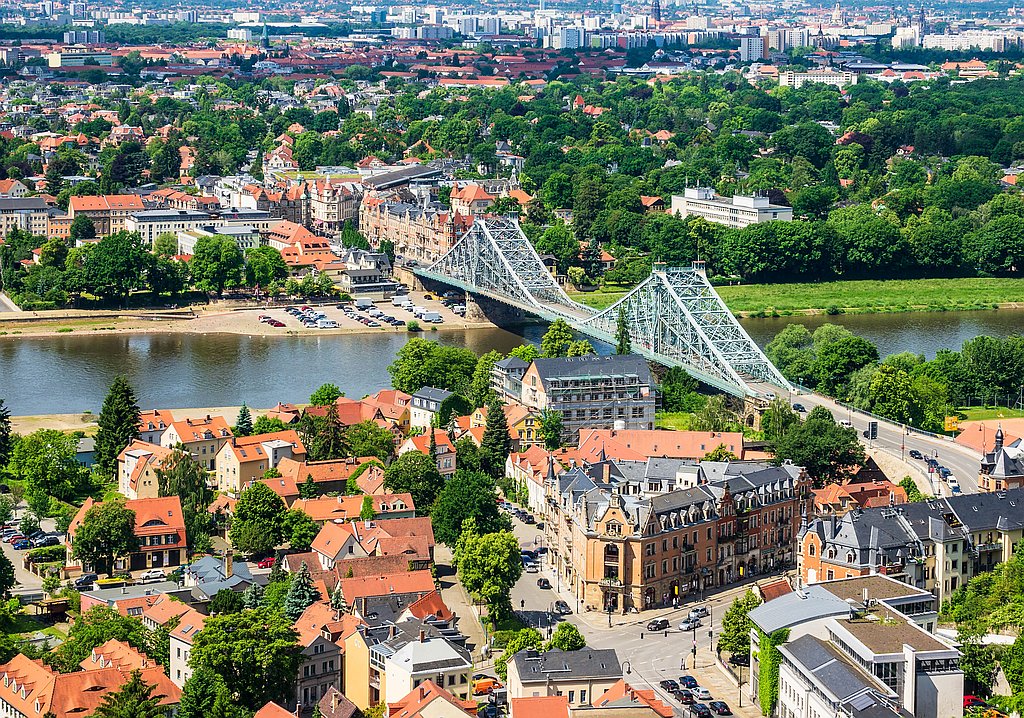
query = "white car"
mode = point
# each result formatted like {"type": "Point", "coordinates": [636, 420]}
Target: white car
{"type": "Point", "coordinates": [690, 624]}
{"type": "Point", "coordinates": [153, 574]}
{"type": "Point", "coordinates": [953, 484]}
{"type": "Point", "coordinates": [701, 693]}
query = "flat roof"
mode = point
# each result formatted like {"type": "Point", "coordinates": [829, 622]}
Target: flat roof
{"type": "Point", "coordinates": [878, 587]}
{"type": "Point", "coordinates": [888, 633]}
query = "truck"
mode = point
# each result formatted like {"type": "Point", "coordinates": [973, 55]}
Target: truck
{"type": "Point", "coordinates": [364, 303]}
{"type": "Point", "coordinates": [432, 317]}
{"type": "Point", "coordinates": [399, 300]}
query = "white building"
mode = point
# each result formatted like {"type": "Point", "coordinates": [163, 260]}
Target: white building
{"type": "Point", "coordinates": [181, 638]}
{"type": "Point", "coordinates": [240, 33]}
{"type": "Point", "coordinates": [570, 38]}
{"type": "Point", "coordinates": [970, 40]}
{"type": "Point", "coordinates": [824, 76]}
{"type": "Point", "coordinates": [427, 658]}
{"type": "Point", "coordinates": [751, 48]}
{"type": "Point", "coordinates": [737, 211]}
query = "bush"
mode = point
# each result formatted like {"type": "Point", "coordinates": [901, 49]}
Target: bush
{"type": "Point", "coordinates": [46, 554]}
{"type": "Point", "coordinates": [413, 325]}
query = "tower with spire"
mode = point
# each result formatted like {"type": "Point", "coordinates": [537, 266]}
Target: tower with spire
{"type": "Point", "coordinates": [265, 38]}
{"type": "Point", "coordinates": [656, 10]}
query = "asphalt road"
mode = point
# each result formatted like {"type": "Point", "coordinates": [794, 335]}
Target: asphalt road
{"type": "Point", "coordinates": [891, 438]}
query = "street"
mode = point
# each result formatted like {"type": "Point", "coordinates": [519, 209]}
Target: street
{"type": "Point", "coordinates": [648, 657]}
{"type": "Point", "coordinates": [962, 462]}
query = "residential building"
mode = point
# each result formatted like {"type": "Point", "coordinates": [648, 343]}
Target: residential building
{"type": "Point", "coordinates": [412, 538]}
{"type": "Point", "coordinates": [936, 545]}
{"type": "Point", "coordinates": [470, 199]}
{"type": "Point", "coordinates": [29, 214]}
{"type": "Point", "coordinates": [624, 701]}
{"type": "Point", "coordinates": [443, 449]}
{"type": "Point", "coordinates": [427, 659]}
{"type": "Point", "coordinates": [151, 223]}
{"type": "Point", "coordinates": [330, 476]}
{"type": "Point", "coordinates": [321, 660]}
{"type": "Point", "coordinates": [153, 424]}
{"type": "Point", "coordinates": [1003, 467]}
{"type": "Point", "coordinates": [336, 705]}
{"type": "Point", "coordinates": [12, 188]}
{"type": "Point", "coordinates": [578, 675]}
{"type": "Point", "coordinates": [838, 499]}
{"type": "Point", "coordinates": [137, 467]}
{"type": "Point", "coordinates": [425, 405]}
{"type": "Point", "coordinates": [159, 528]}
{"type": "Point", "coordinates": [820, 76]}
{"type": "Point", "coordinates": [737, 211]}
{"type": "Point", "coordinates": [332, 205]}
{"type": "Point", "coordinates": [428, 700]}
{"type": "Point", "coordinates": [203, 438]}
{"type": "Point", "coordinates": [348, 508]}
{"type": "Point", "coordinates": [245, 459]}
{"type": "Point", "coordinates": [507, 378]}
{"type": "Point", "coordinates": [79, 56]}
{"type": "Point", "coordinates": [751, 48]}
{"type": "Point", "coordinates": [181, 638]}
{"type": "Point", "coordinates": [32, 689]}
{"type": "Point", "coordinates": [589, 392]}
{"type": "Point", "coordinates": [109, 213]}
{"type": "Point", "coordinates": [423, 235]}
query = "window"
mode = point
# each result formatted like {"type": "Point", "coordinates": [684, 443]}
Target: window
{"type": "Point", "coordinates": [810, 549]}
{"type": "Point", "coordinates": [583, 696]}
{"type": "Point", "coordinates": [572, 696]}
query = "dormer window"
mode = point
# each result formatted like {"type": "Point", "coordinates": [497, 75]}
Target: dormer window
{"type": "Point", "coordinates": [613, 528]}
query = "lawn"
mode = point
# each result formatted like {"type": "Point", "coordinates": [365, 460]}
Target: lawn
{"type": "Point", "coordinates": [678, 420]}
{"type": "Point", "coordinates": [867, 296]}
{"type": "Point", "coordinates": [983, 413]}
{"type": "Point", "coordinates": [897, 295]}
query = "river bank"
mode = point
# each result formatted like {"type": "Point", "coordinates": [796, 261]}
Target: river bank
{"type": "Point", "coordinates": [856, 297]}
{"type": "Point", "coordinates": [216, 319]}
{"type": "Point", "coordinates": [86, 422]}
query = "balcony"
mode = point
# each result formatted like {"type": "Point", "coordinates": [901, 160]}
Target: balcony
{"type": "Point", "coordinates": [991, 546]}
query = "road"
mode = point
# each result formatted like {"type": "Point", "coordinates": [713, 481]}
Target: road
{"type": "Point", "coordinates": [963, 462]}
{"type": "Point", "coordinates": [649, 657]}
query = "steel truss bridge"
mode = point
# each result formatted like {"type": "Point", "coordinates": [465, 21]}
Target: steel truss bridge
{"type": "Point", "coordinates": [674, 317]}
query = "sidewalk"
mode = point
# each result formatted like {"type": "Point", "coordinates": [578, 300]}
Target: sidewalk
{"type": "Point", "coordinates": [455, 597]}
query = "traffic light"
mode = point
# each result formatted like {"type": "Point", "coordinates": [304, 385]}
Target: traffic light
{"type": "Point", "coordinates": [872, 429]}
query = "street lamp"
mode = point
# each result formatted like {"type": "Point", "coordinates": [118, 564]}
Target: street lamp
{"type": "Point", "coordinates": [626, 667]}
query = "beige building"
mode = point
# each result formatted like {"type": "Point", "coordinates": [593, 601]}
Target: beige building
{"type": "Point", "coordinates": [737, 211]}
{"type": "Point", "coordinates": [580, 675]}
{"type": "Point", "coordinates": [423, 235]}
{"type": "Point", "coordinates": [181, 639]}
{"type": "Point", "coordinates": [29, 214]}
{"type": "Point", "coordinates": [203, 438]}
{"type": "Point", "coordinates": [137, 467]}
{"type": "Point", "coordinates": [109, 213]}
{"type": "Point", "coordinates": [243, 460]}
{"type": "Point", "coordinates": [821, 76]}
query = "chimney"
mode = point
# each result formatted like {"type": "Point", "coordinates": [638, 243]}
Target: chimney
{"type": "Point", "coordinates": [335, 700]}
{"type": "Point", "coordinates": [423, 636]}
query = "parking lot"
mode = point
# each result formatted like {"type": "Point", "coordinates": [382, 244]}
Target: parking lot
{"type": "Point", "coordinates": [350, 316]}
{"type": "Point", "coordinates": [26, 580]}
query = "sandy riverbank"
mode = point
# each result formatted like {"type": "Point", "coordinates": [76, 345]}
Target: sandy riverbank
{"type": "Point", "coordinates": [87, 422]}
{"type": "Point", "coordinates": [203, 320]}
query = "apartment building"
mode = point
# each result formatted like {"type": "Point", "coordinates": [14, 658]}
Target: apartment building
{"type": "Point", "coordinates": [936, 545]}
{"type": "Point", "coordinates": [159, 528]}
{"type": "Point", "coordinates": [109, 212]}
{"type": "Point", "coordinates": [737, 211]}
{"type": "Point", "coordinates": [859, 646]}
{"type": "Point", "coordinates": [820, 76]}
{"type": "Point", "coordinates": [153, 222]}
{"type": "Point", "coordinates": [332, 205]}
{"type": "Point", "coordinates": [419, 234]}
{"type": "Point", "coordinates": [619, 545]}
{"type": "Point", "coordinates": [181, 638]}
{"type": "Point", "coordinates": [203, 438]}
{"type": "Point", "coordinates": [580, 676]}
{"type": "Point", "coordinates": [137, 467]}
{"type": "Point", "coordinates": [243, 460]}
{"type": "Point", "coordinates": [28, 214]}
{"type": "Point", "coordinates": [79, 56]}
{"type": "Point", "coordinates": [589, 392]}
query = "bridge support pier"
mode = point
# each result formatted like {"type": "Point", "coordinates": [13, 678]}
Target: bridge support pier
{"type": "Point", "coordinates": [753, 410]}
{"type": "Point", "coordinates": [484, 309]}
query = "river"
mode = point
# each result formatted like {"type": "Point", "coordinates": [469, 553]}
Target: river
{"type": "Point", "coordinates": [68, 374]}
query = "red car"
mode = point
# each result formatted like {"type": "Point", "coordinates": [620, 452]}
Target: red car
{"type": "Point", "coordinates": [267, 562]}
{"type": "Point", "coordinates": [972, 701]}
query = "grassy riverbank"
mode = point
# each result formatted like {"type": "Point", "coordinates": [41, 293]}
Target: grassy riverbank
{"type": "Point", "coordinates": [856, 297]}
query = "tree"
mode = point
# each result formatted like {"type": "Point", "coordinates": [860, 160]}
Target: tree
{"type": "Point", "coordinates": [165, 244]}
{"type": "Point", "coordinates": [679, 391]}
{"type": "Point", "coordinates": [567, 638]}
{"type": "Point", "coordinates": [183, 476]}
{"type": "Point", "coordinates": [480, 392]}
{"type": "Point", "coordinates": [421, 363]}
{"type": "Point", "coordinates": [301, 593]}
{"type": "Point", "coordinates": [467, 495]}
{"type": "Point", "coordinates": [558, 241]}
{"type": "Point", "coordinates": [226, 601]}
{"type": "Point", "coordinates": [521, 640]}
{"type": "Point", "coordinates": [836, 360]}
{"type": "Point", "coordinates": [580, 348]}
{"type": "Point", "coordinates": [6, 437]}
{"type": "Point", "coordinates": [116, 265]}
{"type": "Point", "coordinates": [257, 523]}
{"type": "Point", "coordinates": [415, 473]}
{"type": "Point", "coordinates": [243, 424]}
{"type": "Point", "coordinates": [556, 340]}
{"type": "Point", "coordinates": [46, 460]}
{"type": "Point", "coordinates": [720, 453]}
{"type": "Point", "coordinates": [525, 352]}
{"type": "Point", "coordinates": [324, 436]}
{"type": "Point", "coordinates": [368, 439]}
{"type": "Point", "coordinates": [828, 451]}
{"type": "Point", "coordinates": [205, 695]}
{"type": "Point", "coordinates": [267, 425]}
{"type": "Point", "coordinates": [893, 396]}
{"type": "Point", "coordinates": [118, 425]}
{"type": "Point", "coordinates": [914, 494]}
{"type": "Point", "coordinates": [496, 444]}
{"type": "Point", "coordinates": [264, 266]}
{"type": "Point", "coordinates": [82, 228]}
{"type": "Point", "coordinates": [126, 165]}
{"type": "Point", "coordinates": [326, 395]}
{"type": "Point", "coordinates": [623, 343]}
{"type": "Point", "coordinates": [7, 577]}
{"type": "Point", "coordinates": [550, 427]}
{"type": "Point", "coordinates": [714, 416]}
{"type": "Point", "coordinates": [133, 699]}
{"type": "Point", "coordinates": [777, 419]}
{"type": "Point", "coordinates": [489, 566]}
{"type": "Point", "coordinates": [252, 597]}
{"type": "Point", "coordinates": [367, 512]}
{"type": "Point", "coordinates": [299, 529]}
{"type": "Point", "coordinates": [254, 652]}
{"type": "Point", "coordinates": [216, 264]}
{"type": "Point", "coordinates": [92, 629]}
{"type": "Point", "coordinates": [736, 625]}
{"type": "Point", "coordinates": [308, 488]}
{"type": "Point", "coordinates": [106, 534]}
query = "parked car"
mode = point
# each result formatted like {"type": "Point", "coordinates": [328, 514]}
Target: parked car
{"type": "Point", "coordinates": [690, 624]}
{"type": "Point", "coordinates": [702, 693]}
{"type": "Point", "coordinates": [528, 519]}
{"type": "Point", "coordinates": [528, 553]}
{"type": "Point", "coordinates": [153, 574]}
{"type": "Point", "coordinates": [658, 624]}
{"type": "Point", "coordinates": [915, 454]}
{"type": "Point", "coordinates": [943, 471]}
{"type": "Point", "coordinates": [699, 612]}
{"type": "Point", "coordinates": [543, 583]}
{"type": "Point", "coordinates": [699, 710]}
{"type": "Point", "coordinates": [485, 684]}
{"type": "Point", "coordinates": [669, 685]}
{"type": "Point", "coordinates": [684, 696]}
{"type": "Point", "coordinates": [267, 562]}
{"type": "Point", "coordinates": [799, 407]}
{"type": "Point", "coordinates": [688, 682]}
{"type": "Point", "coordinates": [740, 659]}
{"type": "Point", "coordinates": [41, 541]}
{"type": "Point", "coordinates": [954, 485]}
{"type": "Point", "coordinates": [562, 608]}
{"type": "Point", "coordinates": [21, 544]}
{"type": "Point", "coordinates": [531, 566]}
{"type": "Point", "coordinates": [720, 708]}
{"type": "Point", "coordinates": [85, 580]}
{"type": "Point", "coordinates": [13, 537]}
